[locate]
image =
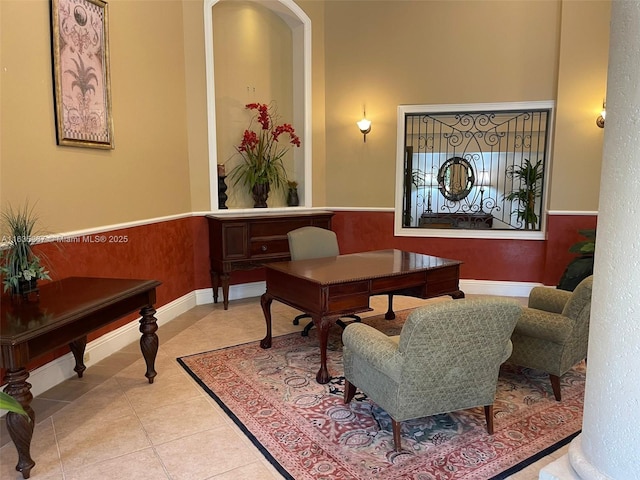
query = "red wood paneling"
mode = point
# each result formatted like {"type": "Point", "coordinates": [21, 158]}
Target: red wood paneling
{"type": "Point", "coordinates": [484, 259]}
{"type": "Point", "coordinates": [176, 252]}
{"type": "Point", "coordinates": [562, 233]}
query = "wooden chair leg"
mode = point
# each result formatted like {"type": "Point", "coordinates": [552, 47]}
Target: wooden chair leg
{"type": "Point", "coordinates": [555, 385]}
{"type": "Point", "coordinates": [349, 391]}
{"type": "Point", "coordinates": [488, 415]}
{"type": "Point", "coordinates": [397, 442]}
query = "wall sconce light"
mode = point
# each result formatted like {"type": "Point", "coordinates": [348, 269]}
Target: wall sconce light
{"type": "Point", "coordinates": [364, 125]}
{"type": "Point", "coordinates": [603, 114]}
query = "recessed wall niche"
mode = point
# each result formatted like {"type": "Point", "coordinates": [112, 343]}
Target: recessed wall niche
{"type": "Point", "coordinates": [257, 52]}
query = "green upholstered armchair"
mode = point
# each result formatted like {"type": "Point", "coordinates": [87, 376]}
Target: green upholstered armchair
{"type": "Point", "coordinates": [553, 332]}
{"type": "Point", "coordinates": [446, 358]}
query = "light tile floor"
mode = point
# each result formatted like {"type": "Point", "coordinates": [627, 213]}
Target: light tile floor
{"type": "Point", "coordinates": [113, 424]}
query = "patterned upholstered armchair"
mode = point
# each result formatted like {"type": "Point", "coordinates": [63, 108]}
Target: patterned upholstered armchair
{"type": "Point", "coordinates": [553, 332]}
{"type": "Point", "coordinates": [446, 358]}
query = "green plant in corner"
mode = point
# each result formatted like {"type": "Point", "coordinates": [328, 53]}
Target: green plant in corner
{"type": "Point", "coordinates": [18, 262]}
{"type": "Point", "coordinates": [7, 402]}
{"type": "Point", "coordinates": [530, 179]}
{"type": "Point", "coordinates": [582, 266]}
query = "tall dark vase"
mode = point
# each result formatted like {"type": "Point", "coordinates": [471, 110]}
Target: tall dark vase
{"type": "Point", "coordinates": [292, 197]}
{"type": "Point", "coordinates": [25, 289]}
{"type": "Point", "coordinates": [260, 194]}
{"type": "Point", "coordinates": [222, 192]}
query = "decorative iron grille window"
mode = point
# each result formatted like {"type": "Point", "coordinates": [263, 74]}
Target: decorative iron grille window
{"type": "Point", "coordinates": [475, 167]}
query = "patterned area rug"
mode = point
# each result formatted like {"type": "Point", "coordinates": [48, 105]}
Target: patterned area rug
{"type": "Point", "coordinates": [307, 432]}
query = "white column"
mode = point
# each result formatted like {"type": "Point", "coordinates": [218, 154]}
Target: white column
{"type": "Point", "coordinates": [608, 447]}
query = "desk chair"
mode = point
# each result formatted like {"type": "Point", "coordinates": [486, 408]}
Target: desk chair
{"type": "Point", "coordinates": [314, 242]}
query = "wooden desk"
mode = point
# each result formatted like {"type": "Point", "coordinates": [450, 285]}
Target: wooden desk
{"type": "Point", "coordinates": [67, 310]}
{"type": "Point", "coordinates": [246, 241]}
{"type": "Point", "coordinates": [329, 288]}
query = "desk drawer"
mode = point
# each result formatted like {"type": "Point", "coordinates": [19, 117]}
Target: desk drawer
{"type": "Point", "coordinates": [399, 282]}
{"type": "Point", "coordinates": [443, 281]}
{"type": "Point", "coordinates": [269, 247]}
{"type": "Point", "coordinates": [350, 296]}
{"type": "Point", "coordinates": [274, 228]}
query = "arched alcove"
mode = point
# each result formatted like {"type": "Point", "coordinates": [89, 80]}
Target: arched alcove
{"type": "Point", "coordinates": [300, 24]}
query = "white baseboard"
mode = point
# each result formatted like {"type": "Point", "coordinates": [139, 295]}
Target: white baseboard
{"type": "Point", "coordinates": [492, 287]}
{"type": "Point", "coordinates": [60, 369]}
{"type": "Point", "coordinates": [236, 292]}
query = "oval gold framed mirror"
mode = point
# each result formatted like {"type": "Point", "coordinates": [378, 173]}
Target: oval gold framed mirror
{"type": "Point", "coordinates": [455, 179]}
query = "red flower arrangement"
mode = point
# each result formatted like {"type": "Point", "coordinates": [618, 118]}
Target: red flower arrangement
{"type": "Point", "coordinates": [261, 151]}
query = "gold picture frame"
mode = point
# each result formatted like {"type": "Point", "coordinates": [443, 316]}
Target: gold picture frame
{"type": "Point", "coordinates": [80, 47]}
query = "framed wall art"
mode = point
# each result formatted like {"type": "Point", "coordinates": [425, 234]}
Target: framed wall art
{"type": "Point", "coordinates": [81, 73]}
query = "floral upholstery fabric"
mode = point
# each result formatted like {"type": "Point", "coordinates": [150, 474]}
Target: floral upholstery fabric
{"type": "Point", "coordinates": [555, 339]}
{"type": "Point", "coordinates": [446, 358]}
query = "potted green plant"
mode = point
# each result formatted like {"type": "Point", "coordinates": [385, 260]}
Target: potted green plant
{"type": "Point", "coordinates": [20, 267]}
{"type": "Point", "coordinates": [580, 267]}
{"type": "Point", "coordinates": [7, 402]}
{"type": "Point", "coordinates": [262, 166]}
{"type": "Point", "coordinates": [529, 176]}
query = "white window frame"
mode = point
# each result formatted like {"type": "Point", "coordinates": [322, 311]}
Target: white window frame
{"type": "Point", "coordinates": [401, 231]}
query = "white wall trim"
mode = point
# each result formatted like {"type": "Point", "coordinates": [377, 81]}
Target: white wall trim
{"type": "Point", "coordinates": [361, 209]}
{"type": "Point", "coordinates": [576, 213]}
{"type": "Point", "coordinates": [68, 236]}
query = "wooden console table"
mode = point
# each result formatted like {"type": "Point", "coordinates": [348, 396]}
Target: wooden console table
{"type": "Point", "coordinates": [247, 241]}
{"type": "Point", "coordinates": [332, 287]}
{"type": "Point", "coordinates": [474, 220]}
{"type": "Point", "coordinates": [66, 311]}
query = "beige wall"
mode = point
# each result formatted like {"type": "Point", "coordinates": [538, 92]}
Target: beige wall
{"type": "Point", "coordinates": [439, 52]}
{"type": "Point", "coordinates": [197, 128]}
{"type": "Point", "coordinates": [147, 174]}
{"type": "Point", "coordinates": [459, 52]}
{"type": "Point", "coordinates": [374, 53]}
{"type": "Point", "coordinates": [582, 84]}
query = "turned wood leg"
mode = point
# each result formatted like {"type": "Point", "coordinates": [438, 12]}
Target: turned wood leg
{"type": "Point", "coordinates": [457, 295]}
{"type": "Point", "coordinates": [20, 427]}
{"type": "Point", "coordinates": [555, 385]}
{"type": "Point", "coordinates": [225, 290]}
{"type": "Point", "coordinates": [397, 439]}
{"type": "Point", "coordinates": [349, 391]}
{"type": "Point", "coordinates": [215, 284]}
{"type": "Point", "coordinates": [265, 303]}
{"type": "Point", "coordinates": [488, 415]}
{"type": "Point", "coordinates": [390, 315]}
{"type": "Point", "coordinates": [77, 348]}
{"type": "Point", "coordinates": [323, 324]}
{"type": "Point", "coordinates": [149, 340]}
